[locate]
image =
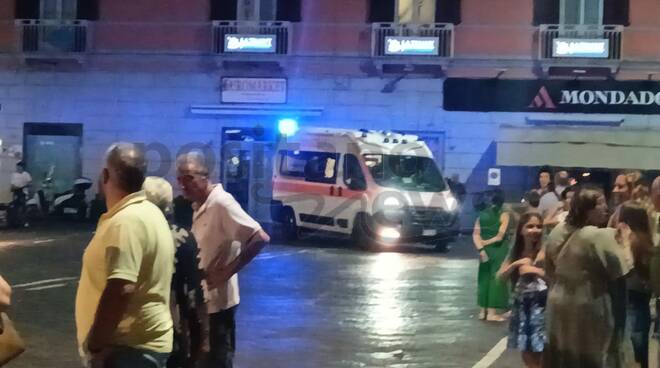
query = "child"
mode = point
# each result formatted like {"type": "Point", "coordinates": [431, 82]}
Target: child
{"type": "Point", "coordinates": [527, 326]}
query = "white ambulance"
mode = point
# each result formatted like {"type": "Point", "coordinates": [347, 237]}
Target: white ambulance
{"type": "Point", "coordinates": [381, 188]}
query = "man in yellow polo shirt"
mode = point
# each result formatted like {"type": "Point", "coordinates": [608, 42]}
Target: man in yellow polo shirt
{"type": "Point", "coordinates": [122, 306]}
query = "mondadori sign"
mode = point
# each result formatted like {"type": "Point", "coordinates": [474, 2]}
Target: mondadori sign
{"type": "Point", "coordinates": [598, 97]}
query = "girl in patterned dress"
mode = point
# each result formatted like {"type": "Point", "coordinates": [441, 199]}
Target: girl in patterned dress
{"type": "Point", "coordinates": [527, 326]}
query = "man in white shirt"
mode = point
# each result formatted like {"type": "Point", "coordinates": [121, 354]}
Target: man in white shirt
{"type": "Point", "coordinates": [228, 239]}
{"type": "Point", "coordinates": [19, 181]}
{"type": "Point", "coordinates": [21, 178]}
{"type": "Point", "coordinates": [552, 199]}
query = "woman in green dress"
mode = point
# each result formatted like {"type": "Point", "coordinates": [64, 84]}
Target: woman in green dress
{"type": "Point", "coordinates": [488, 236]}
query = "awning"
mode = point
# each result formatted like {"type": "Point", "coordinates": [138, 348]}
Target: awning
{"type": "Point", "coordinates": [608, 148]}
{"type": "Point", "coordinates": [255, 110]}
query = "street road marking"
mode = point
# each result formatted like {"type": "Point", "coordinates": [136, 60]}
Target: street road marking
{"type": "Point", "coordinates": [46, 287]}
{"type": "Point", "coordinates": [492, 355]}
{"type": "Point", "coordinates": [24, 242]}
{"type": "Point", "coordinates": [41, 282]}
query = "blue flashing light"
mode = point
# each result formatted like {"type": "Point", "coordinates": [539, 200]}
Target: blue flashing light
{"type": "Point", "coordinates": [287, 127]}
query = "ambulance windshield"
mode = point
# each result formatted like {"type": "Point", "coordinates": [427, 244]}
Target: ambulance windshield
{"type": "Point", "coordinates": [412, 173]}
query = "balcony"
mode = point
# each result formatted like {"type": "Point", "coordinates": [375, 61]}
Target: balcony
{"type": "Point", "coordinates": [562, 42]}
{"type": "Point", "coordinates": [247, 37]}
{"type": "Point", "coordinates": [412, 41]}
{"type": "Point", "coordinates": [52, 39]}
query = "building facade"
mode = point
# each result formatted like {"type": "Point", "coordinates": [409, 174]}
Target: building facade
{"type": "Point", "coordinates": [180, 74]}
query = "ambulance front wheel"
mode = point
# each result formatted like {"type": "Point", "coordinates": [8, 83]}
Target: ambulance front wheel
{"type": "Point", "coordinates": [289, 224]}
{"type": "Point", "coordinates": [362, 235]}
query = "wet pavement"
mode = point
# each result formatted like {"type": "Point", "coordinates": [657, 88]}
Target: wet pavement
{"type": "Point", "coordinates": [315, 303]}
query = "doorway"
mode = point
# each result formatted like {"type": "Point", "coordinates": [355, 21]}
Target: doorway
{"type": "Point", "coordinates": [53, 150]}
{"type": "Point", "coordinates": [246, 168]}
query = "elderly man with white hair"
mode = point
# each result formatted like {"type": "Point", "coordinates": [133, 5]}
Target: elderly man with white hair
{"type": "Point", "coordinates": [187, 304]}
{"type": "Point", "coordinates": [122, 305]}
{"type": "Point", "coordinates": [228, 239]}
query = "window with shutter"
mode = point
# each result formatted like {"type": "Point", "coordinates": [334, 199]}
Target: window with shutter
{"type": "Point", "coordinates": [289, 10]}
{"type": "Point", "coordinates": [27, 9]}
{"type": "Point", "coordinates": [381, 11]}
{"type": "Point", "coordinates": [88, 9]}
{"type": "Point", "coordinates": [224, 9]}
{"type": "Point", "coordinates": [546, 12]}
{"type": "Point", "coordinates": [616, 12]}
{"type": "Point", "coordinates": [448, 11]}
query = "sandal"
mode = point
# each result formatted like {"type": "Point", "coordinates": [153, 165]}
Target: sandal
{"type": "Point", "coordinates": [495, 318]}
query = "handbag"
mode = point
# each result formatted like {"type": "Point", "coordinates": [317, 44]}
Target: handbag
{"type": "Point", "coordinates": [11, 344]}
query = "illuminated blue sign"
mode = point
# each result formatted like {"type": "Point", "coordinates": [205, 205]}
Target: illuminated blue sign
{"type": "Point", "coordinates": [411, 46]}
{"type": "Point", "coordinates": [581, 48]}
{"type": "Point", "coordinates": [250, 43]}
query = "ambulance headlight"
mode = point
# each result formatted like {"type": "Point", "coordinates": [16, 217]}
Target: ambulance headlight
{"type": "Point", "coordinates": [452, 203]}
{"type": "Point", "coordinates": [392, 202]}
{"type": "Point", "coordinates": [389, 233]}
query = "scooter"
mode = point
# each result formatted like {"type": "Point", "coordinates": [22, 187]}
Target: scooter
{"type": "Point", "coordinates": [73, 203]}
{"type": "Point", "coordinates": [38, 202]}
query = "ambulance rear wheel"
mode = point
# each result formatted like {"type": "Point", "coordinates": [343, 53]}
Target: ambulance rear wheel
{"type": "Point", "coordinates": [289, 224]}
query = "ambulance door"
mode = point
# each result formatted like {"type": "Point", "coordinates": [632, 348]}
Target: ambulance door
{"type": "Point", "coordinates": [351, 193]}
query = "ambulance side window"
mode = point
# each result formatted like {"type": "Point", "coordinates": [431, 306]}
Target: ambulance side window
{"type": "Point", "coordinates": [293, 163]}
{"type": "Point", "coordinates": [353, 176]}
{"type": "Point", "coordinates": [321, 167]}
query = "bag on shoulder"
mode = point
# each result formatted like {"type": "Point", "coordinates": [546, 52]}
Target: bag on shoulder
{"type": "Point", "coordinates": [11, 344]}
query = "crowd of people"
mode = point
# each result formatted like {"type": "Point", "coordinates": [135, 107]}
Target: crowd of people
{"type": "Point", "coordinates": [577, 276]}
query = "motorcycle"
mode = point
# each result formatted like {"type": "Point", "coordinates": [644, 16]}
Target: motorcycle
{"type": "Point", "coordinates": [38, 202]}
{"type": "Point", "coordinates": [72, 203]}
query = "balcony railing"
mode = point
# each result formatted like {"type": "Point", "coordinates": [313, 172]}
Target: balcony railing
{"type": "Point", "coordinates": [435, 40]}
{"type": "Point", "coordinates": [48, 36]}
{"type": "Point", "coordinates": [612, 33]}
{"type": "Point", "coordinates": [252, 37]}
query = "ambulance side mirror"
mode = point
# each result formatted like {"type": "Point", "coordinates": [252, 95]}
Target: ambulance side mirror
{"type": "Point", "coordinates": [356, 184]}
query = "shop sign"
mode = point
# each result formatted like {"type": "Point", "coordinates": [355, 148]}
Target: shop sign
{"type": "Point", "coordinates": [250, 43]}
{"type": "Point", "coordinates": [411, 46]}
{"type": "Point", "coordinates": [254, 90]}
{"type": "Point", "coordinates": [580, 48]}
{"type": "Point", "coordinates": [563, 96]}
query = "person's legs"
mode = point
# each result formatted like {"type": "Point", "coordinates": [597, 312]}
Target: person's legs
{"type": "Point", "coordinates": [222, 338]}
{"type": "Point", "coordinates": [125, 357]}
{"type": "Point", "coordinates": [639, 316]}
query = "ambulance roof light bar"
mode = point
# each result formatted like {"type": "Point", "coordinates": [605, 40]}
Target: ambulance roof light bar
{"type": "Point", "coordinates": [287, 127]}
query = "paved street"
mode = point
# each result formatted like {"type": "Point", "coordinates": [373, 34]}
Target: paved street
{"type": "Point", "coordinates": [316, 303]}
